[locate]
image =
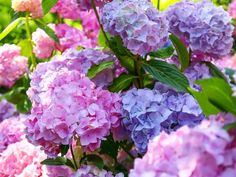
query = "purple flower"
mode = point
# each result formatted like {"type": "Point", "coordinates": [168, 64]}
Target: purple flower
{"type": "Point", "coordinates": [7, 110]}
{"type": "Point", "coordinates": [142, 28]}
{"type": "Point", "coordinates": [207, 29]}
{"type": "Point", "coordinates": [148, 112]}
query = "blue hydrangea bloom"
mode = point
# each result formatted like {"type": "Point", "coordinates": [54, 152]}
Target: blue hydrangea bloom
{"type": "Point", "coordinates": [142, 28]}
{"type": "Point", "coordinates": [207, 29]}
{"type": "Point", "coordinates": [147, 112]}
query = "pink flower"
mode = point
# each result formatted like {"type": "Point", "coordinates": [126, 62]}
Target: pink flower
{"type": "Point", "coordinates": [11, 131]}
{"type": "Point", "coordinates": [232, 9]}
{"type": "Point", "coordinates": [205, 150]}
{"type": "Point", "coordinates": [7, 110]}
{"type": "Point", "coordinates": [12, 65]}
{"type": "Point", "coordinates": [68, 104]}
{"type": "Point", "coordinates": [32, 6]}
{"type": "Point", "coordinates": [67, 9]}
{"type": "Point", "coordinates": [87, 4]}
{"type": "Point", "coordinates": [69, 37]}
{"type": "Point", "coordinates": [227, 62]}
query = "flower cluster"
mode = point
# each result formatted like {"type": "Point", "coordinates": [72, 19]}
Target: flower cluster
{"type": "Point", "coordinates": [205, 28]}
{"type": "Point", "coordinates": [92, 171]}
{"type": "Point", "coordinates": [202, 151]}
{"type": "Point", "coordinates": [12, 64]}
{"type": "Point", "coordinates": [11, 131]}
{"type": "Point", "coordinates": [67, 104]}
{"type": "Point", "coordinates": [69, 37]}
{"type": "Point", "coordinates": [86, 5]}
{"type": "Point", "coordinates": [232, 9]}
{"type": "Point", "coordinates": [32, 6]}
{"type": "Point", "coordinates": [7, 110]}
{"type": "Point", "coordinates": [150, 111]}
{"type": "Point", "coordinates": [142, 28]}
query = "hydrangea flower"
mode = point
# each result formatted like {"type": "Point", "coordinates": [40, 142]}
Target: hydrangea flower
{"type": "Point", "coordinates": [232, 9]}
{"type": "Point", "coordinates": [147, 112]}
{"type": "Point", "coordinates": [227, 62]}
{"type": "Point", "coordinates": [87, 4]}
{"type": "Point", "coordinates": [67, 9]}
{"type": "Point", "coordinates": [142, 28]}
{"type": "Point", "coordinates": [12, 64]}
{"type": "Point", "coordinates": [7, 110]}
{"type": "Point", "coordinates": [90, 25]}
{"type": "Point", "coordinates": [68, 104]}
{"type": "Point", "coordinates": [69, 37]}
{"type": "Point", "coordinates": [23, 159]}
{"type": "Point", "coordinates": [92, 171]}
{"type": "Point", "coordinates": [11, 131]}
{"type": "Point", "coordinates": [32, 6]}
{"type": "Point", "coordinates": [207, 29]}
{"type": "Point", "coordinates": [205, 150]}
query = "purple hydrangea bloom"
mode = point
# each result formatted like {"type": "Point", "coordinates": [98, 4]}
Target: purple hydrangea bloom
{"type": "Point", "coordinates": [207, 29]}
{"type": "Point", "coordinates": [142, 28]}
{"type": "Point", "coordinates": [7, 110]}
{"type": "Point", "coordinates": [147, 112]}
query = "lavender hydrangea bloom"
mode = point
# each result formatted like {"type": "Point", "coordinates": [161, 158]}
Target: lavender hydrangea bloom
{"type": "Point", "coordinates": [207, 29]}
{"type": "Point", "coordinates": [7, 110]}
{"type": "Point", "coordinates": [147, 112]}
{"type": "Point", "coordinates": [142, 28]}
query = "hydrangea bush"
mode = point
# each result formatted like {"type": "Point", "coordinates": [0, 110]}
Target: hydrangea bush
{"type": "Point", "coordinates": [116, 88]}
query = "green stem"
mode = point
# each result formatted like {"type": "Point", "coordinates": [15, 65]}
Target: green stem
{"type": "Point", "coordinates": [98, 18]}
{"type": "Point", "coordinates": [73, 157]}
{"type": "Point", "coordinates": [137, 65]}
{"type": "Point", "coordinates": [158, 4]}
{"type": "Point", "coordinates": [29, 36]}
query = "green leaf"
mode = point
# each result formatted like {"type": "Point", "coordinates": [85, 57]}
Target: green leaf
{"type": "Point", "coordinates": [215, 71]}
{"type": "Point", "coordinates": [207, 107]}
{"type": "Point", "coordinates": [47, 5]}
{"type": "Point", "coordinates": [47, 30]}
{"type": "Point", "coordinates": [10, 27]}
{"type": "Point", "coordinates": [95, 69]}
{"type": "Point", "coordinates": [122, 53]}
{"type": "Point", "coordinates": [167, 74]}
{"type": "Point", "coordinates": [64, 149]}
{"type": "Point", "coordinates": [94, 160]}
{"type": "Point", "coordinates": [230, 72]}
{"type": "Point", "coordinates": [122, 82]}
{"type": "Point", "coordinates": [182, 52]}
{"type": "Point", "coordinates": [110, 147]}
{"type": "Point", "coordinates": [58, 161]}
{"type": "Point", "coordinates": [102, 40]}
{"type": "Point", "coordinates": [25, 49]}
{"type": "Point", "coordinates": [218, 93]}
{"type": "Point", "coordinates": [163, 53]}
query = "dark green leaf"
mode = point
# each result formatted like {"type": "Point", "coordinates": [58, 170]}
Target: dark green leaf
{"type": "Point", "coordinates": [64, 149]}
{"type": "Point", "coordinates": [94, 160]}
{"type": "Point", "coordinates": [230, 72]}
{"type": "Point", "coordinates": [56, 161]}
{"type": "Point", "coordinates": [95, 69]}
{"type": "Point", "coordinates": [10, 27]}
{"type": "Point", "coordinates": [121, 83]}
{"type": "Point", "coordinates": [215, 71]}
{"type": "Point", "coordinates": [182, 52]}
{"type": "Point", "coordinates": [110, 147]}
{"type": "Point", "coordinates": [167, 74]}
{"type": "Point", "coordinates": [123, 54]}
{"type": "Point", "coordinates": [47, 30]}
{"type": "Point", "coordinates": [47, 5]}
{"type": "Point", "coordinates": [163, 53]}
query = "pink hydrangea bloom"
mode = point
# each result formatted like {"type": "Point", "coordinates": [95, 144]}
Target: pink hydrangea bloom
{"type": "Point", "coordinates": [90, 25]}
{"type": "Point", "coordinates": [11, 131]}
{"type": "Point", "coordinates": [205, 150]}
{"type": "Point", "coordinates": [69, 37]}
{"type": "Point", "coordinates": [227, 62]}
{"type": "Point", "coordinates": [32, 6]}
{"type": "Point", "coordinates": [12, 65]}
{"type": "Point", "coordinates": [232, 9]}
{"type": "Point", "coordinates": [87, 4]}
{"type": "Point", "coordinates": [67, 9]}
{"type": "Point", "coordinates": [92, 171]}
{"type": "Point", "coordinates": [22, 159]}
{"type": "Point", "coordinates": [66, 104]}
